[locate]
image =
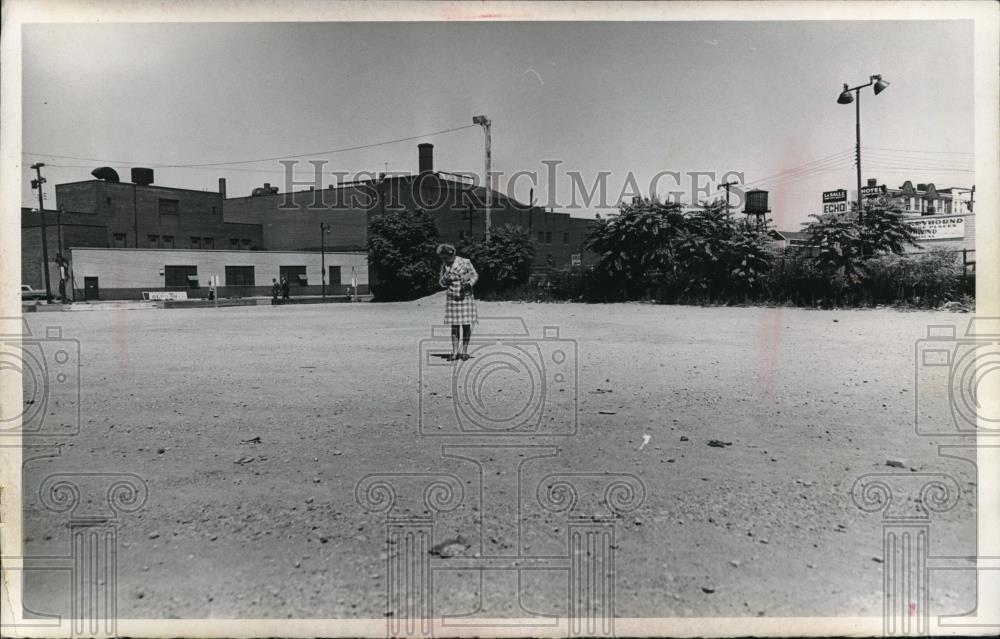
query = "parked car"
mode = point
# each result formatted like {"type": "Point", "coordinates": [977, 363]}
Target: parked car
{"type": "Point", "coordinates": [28, 293]}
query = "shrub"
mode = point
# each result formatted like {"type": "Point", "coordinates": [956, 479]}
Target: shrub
{"type": "Point", "coordinates": [401, 255]}
{"type": "Point", "coordinates": [504, 262]}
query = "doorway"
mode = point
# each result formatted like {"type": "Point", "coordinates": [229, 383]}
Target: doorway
{"type": "Point", "coordinates": [91, 290]}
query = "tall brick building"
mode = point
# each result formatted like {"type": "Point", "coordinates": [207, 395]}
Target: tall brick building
{"type": "Point", "coordinates": [291, 221]}
{"type": "Point", "coordinates": [151, 216]}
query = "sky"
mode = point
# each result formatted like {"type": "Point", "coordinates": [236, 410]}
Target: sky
{"type": "Point", "coordinates": [605, 98]}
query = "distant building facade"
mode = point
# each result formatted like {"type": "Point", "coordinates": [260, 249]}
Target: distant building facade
{"type": "Point", "coordinates": [944, 219]}
{"type": "Point", "coordinates": [153, 216]}
{"type": "Point", "coordinates": [291, 220]}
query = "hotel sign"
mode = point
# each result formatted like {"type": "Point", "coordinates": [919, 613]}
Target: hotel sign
{"type": "Point", "coordinates": [951, 227]}
{"type": "Point", "coordinates": [872, 191]}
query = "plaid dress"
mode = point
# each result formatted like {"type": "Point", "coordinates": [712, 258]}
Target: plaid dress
{"type": "Point", "coordinates": [461, 305]}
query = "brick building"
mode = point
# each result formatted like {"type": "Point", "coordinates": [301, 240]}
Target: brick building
{"type": "Point", "coordinates": [291, 221]}
{"type": "Point", "coordinates": [139, 215]}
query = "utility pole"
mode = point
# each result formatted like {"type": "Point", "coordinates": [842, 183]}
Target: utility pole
{"type": "Point", "coordinates": [484, 122]}
{"type": "Point", "coordinates": [469, 215]}
{"type": "Point", "coordinates": [324, 228]}
{"type": "Point", "coordinates": [726, 186]}
{"type": "Point", "coordinates": [37, 183]}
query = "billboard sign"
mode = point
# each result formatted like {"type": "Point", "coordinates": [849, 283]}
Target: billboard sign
{"type": "Point", "coordinates": [951, 227]}
{"type": "Point", "coordinates": [840, 195]}
{"type": "Point", "coordinates": [873, 191]}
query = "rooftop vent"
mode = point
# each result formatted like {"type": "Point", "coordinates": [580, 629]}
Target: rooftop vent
{"type": "Point", "coordinates": [106, 173]}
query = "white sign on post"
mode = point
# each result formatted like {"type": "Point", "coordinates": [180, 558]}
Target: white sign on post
{"type": "Point", "coordinates": [939, 228]}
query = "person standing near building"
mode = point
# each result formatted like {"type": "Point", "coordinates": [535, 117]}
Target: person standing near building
{"type": "Point", "coordinates": [284, 288]}
{"type": "Point", "coordinates": [458, 276]}
{"type": "Point", "coordinates": [275, 290]}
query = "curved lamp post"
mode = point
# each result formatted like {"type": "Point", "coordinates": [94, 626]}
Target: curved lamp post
{"type": "Point", "coordinates": [847, 98]}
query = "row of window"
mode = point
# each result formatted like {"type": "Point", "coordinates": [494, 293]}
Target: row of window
{"type": "Point", "coordinates": [187, 276]}
{"type": "Point", "coordinates": [545, 237]}
{"type": "Point", "coordinates": [119, 240]}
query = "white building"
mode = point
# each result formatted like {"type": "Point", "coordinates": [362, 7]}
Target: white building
{"type": "Point", "coordinates": [121, 273]}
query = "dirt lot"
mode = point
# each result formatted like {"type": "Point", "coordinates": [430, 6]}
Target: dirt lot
{"type": "Point", "coordinates": [802, 403]}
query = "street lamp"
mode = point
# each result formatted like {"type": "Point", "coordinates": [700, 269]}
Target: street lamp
{"type": "Point", "coordinates": [484, 122]}
{"type": "Point", "coordinates": [846, 98]}
{"type": "Point", "coordinates": [324, 228]}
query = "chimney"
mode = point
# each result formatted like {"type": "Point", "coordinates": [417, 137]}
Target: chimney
{"type": "Point", "coordinates": [872, 182]}
{"type": "Point", "coordinates": [222, 187]}
{"type": "Point", "coordinates": [426, 157]}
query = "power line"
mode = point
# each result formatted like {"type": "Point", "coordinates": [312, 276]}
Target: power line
{"type": "Point", "coordinates": [817, 163]}
{"type": "Point", "coordinates": [270, 159]}
{"type": "Point", "coordinates": [814, 168]}
{"type": "Point", "coordinates": [880, 148]}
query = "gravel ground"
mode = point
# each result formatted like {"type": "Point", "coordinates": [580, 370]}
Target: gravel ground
{"type": "Point", "coordinates": [759, 523]}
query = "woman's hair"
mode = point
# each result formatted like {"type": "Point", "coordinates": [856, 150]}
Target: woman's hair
{"type": "Point", "coordinates": [445, 249]}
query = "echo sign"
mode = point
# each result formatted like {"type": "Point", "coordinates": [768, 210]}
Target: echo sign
{"type": "Point", "coordinates": [838, 207]}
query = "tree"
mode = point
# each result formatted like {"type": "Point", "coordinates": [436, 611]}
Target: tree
{"type": "Point", "coordinates": [504, 261]}
{"type": "Point", "coordinates": [722, 257]}
{"type": "Point", "coordinates": [401, 255]}
{"type": "Point", "coordinates": [635, 245]}
{"type": "Point", "coordinates": [842, 244]}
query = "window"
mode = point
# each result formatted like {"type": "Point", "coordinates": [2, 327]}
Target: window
{"type": "Point", "coordinates": [195, 242]}
{"type": "Point", "coordinates": [119, 240]}
{"type": "Point", "coordinates": [168, 241]}
{"type": "Point", "coordinates": [180, 276]}
{"type": "Point", "coordinates": [548, 237]}
{"type": "Point", "coordinates": [153, 240]}
{"type": "Point", "coordinates": [246, 244]}
{"type": "Point", "coordinates": [208, 242]}
{"type": "Point", "coordinates": [234, 244]}
{"type": "Point", "coordinates": [565, 238]}
{"type": "Point", "coordinates": [541, 237]}
{"type": "Point", "coordinates": [295, 274]}
{"type": "Point", "coordinates": [239, 276]}
{"type": "Point", "coordinates": [169, 212]}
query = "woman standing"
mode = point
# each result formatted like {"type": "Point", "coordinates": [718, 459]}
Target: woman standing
{"type": "Point", "coordinates": [458, 276]}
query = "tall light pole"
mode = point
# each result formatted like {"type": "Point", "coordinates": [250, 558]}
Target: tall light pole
{"type": "Point", "coordinates": [484, 122]}
{"type": "Point", "coordinates": [324, 228]}
{"type": "Point", "coordinates": [847, 98]}
{"type": "Point", "coordinates": [37, 183]}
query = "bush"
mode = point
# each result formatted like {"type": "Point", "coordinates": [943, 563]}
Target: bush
{"type": "Point", "coordinates": [401, 255]}
{"type": "Point", "coordinates": [504, 262]}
